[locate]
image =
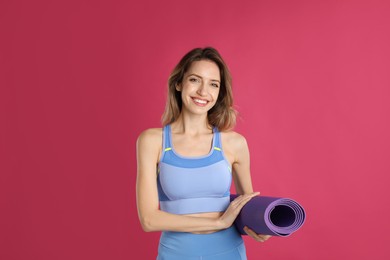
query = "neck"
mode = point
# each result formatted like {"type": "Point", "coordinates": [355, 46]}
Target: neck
{"type": "Point", "coordinates": [194, 124]}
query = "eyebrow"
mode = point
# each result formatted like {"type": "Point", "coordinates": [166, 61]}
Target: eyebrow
{"type": "Point", "coordinates": [193, 74]}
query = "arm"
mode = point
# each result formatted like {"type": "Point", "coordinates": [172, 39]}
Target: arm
{"type": "Point", "coordinates": [241, 165]}
{"type": "Point", "coordinates": [242, 177]}
{"type": "Point", "coordinates": [153, 219]}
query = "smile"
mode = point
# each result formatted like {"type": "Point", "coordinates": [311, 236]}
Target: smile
{"type": "Point", "coordinates": [200, 102]}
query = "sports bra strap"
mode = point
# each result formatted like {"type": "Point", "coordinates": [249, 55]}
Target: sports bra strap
{"type": "Point", "coordinates": [167, 144]}
{"type": "Point", "coordinates": [217, 139]}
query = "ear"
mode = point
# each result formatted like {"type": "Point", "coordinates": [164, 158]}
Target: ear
{"type": "Point", "coordinates": [178, 87]}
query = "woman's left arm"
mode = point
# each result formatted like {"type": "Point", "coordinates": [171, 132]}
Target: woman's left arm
{"type": "Point", "coordinates": [241, 175]}
{"type": "Point", "coordinates": [241, 164]}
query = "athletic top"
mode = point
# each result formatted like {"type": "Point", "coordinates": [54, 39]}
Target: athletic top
{"type": "Point", "coordinates": [193, 184]}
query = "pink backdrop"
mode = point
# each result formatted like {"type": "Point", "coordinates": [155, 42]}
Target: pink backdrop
{"type": "Point", "coordinates": [81, 79]}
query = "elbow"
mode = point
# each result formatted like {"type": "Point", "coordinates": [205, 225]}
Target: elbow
{"type": "Point", "coordinates": [146, 228]}
{"type": "Point", "coordinates": [147, 225]}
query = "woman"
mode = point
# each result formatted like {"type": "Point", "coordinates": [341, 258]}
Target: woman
{"type": "Point", "coordinates": [185, 169]}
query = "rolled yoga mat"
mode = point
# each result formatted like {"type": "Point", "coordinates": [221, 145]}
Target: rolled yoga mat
{"type": "Point", "coordinates": [270, 216]}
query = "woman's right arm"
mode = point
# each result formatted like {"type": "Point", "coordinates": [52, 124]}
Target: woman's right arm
{"type": "Point", "coordinates": [151, 217]}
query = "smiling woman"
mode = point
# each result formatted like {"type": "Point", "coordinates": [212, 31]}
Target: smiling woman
{"type": "Point", "coordinates": [200, 86]}
{"type": "Point", "coordinates": [185, 169]}
{"type": "Point", "coordinates": [222, 114]}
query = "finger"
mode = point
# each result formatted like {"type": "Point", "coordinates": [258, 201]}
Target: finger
{"type": "Point", "coordinates": [263, 237]}
{"type": "Point", "coordinates": [266, 237]}
{"type": "Point", "coordinates": [258, 237]}
{"type": "Point", "coordinates": [238, 203]}
{"type": "Point", "coordinates": [241, 203]}
{"type": "Point", "coordinates": [253, 234]}
{"type": "Point", "coordinates": [245, 198]}
{"type": "Point", "coordinates": [253, 194]}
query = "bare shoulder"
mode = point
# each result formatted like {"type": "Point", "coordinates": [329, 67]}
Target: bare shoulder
{"type": "Point", "coordinates": [150, 137]}
{"type": "Point", "coordinates": [233, 140]}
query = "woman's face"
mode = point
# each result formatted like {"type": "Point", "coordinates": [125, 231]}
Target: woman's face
{"type": "Point", "coordinates": [200, 86]}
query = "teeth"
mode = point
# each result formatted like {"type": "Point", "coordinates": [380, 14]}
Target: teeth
{"type": "Point", "coordinates": [200, 101]}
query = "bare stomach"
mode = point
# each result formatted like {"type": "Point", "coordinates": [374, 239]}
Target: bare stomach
{"type": "Point", "coordinates": [214, 215]}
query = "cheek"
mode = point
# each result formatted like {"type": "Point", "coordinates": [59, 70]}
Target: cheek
{"type": "Point", "coordinates": [186, 88]}
{"type": "Point", "coordinates": [184, 91]}
{"type": "Point", "coordinates": [215, 94]}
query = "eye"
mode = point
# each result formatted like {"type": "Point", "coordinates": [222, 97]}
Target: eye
{"type": "Point", "coordinates": [194, 80]}
{"type": "Point", "coordinates": [215, 85]}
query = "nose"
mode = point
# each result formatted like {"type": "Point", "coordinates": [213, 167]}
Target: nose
{"type": "Point", "coordinates": [202, 90]}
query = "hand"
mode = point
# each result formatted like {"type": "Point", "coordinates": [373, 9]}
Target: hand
{"type": "Point", "coordinates": [234, 209]}
{"type": "Point", "coordinates": [257, 237]}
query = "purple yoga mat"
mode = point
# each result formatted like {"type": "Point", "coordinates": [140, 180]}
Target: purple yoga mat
{"type": "Point", "coordinates": [270, 216]}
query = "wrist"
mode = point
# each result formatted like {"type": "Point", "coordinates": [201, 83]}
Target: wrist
{"type": "Point", "coordinates": [220, 224]}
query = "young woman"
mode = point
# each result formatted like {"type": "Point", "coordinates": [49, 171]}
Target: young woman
{"type": "Point", "coordinates": [185, 169]}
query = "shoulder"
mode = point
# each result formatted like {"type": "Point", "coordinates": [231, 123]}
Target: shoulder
{"type": "Point", "coordinates": [150, 137]}
{"type": "Point", "coordinates": [234, 140]}
{"type": "Point", "coordinates": [150, 133]}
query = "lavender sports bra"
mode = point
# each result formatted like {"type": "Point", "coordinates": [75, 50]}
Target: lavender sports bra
{"type": "Point", "coordinates": [193, 184]}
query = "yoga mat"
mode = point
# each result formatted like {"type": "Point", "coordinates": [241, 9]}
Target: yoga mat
{"type": "Point", "coordinates": [270, 216]}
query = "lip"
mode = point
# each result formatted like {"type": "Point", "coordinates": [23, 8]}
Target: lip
{"type": "Point", "coordinates": [198, 103]}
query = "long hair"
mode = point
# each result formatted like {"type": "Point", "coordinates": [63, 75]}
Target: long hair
{"type": "Point", "coordinates": [222, 115]}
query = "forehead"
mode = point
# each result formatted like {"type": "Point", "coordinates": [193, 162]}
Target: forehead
{"type": "Point", "coordinates": [204, 68]}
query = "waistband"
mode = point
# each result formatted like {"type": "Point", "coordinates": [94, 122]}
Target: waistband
{"type": "Point", "coordinates": [201, 244]}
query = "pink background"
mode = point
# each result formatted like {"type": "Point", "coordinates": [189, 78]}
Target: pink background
{"type": "Point", "coordinates": [81, 79]}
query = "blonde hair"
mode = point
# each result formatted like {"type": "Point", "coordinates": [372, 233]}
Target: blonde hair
{"type": "Point", "coordinates": [222, 115]}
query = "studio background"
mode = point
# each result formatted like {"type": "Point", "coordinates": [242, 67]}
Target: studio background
{"type": "Point", "coordinates": [81, 79]}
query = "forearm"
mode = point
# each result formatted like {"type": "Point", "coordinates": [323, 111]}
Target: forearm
{"type": "Point", "coordinates": [163, 221]}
